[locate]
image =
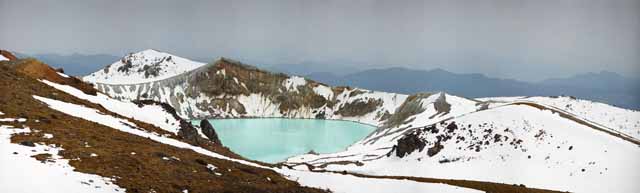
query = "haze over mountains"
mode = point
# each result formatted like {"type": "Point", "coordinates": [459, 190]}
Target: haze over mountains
{"type": "Point", "coordinates": [608, 87]}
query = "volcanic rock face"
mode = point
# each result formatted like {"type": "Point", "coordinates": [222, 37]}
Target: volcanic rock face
{"type": "Point", "coordinates": [209, 131]}
{"type": "Point", "coordinates": [228, 88]}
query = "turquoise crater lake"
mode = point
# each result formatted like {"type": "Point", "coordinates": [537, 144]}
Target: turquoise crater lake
{"type": "Point", "coordinates": [274, 140]}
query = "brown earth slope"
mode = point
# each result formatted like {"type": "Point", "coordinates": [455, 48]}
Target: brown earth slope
{"type": "Point", "coordinates": [145, 171]}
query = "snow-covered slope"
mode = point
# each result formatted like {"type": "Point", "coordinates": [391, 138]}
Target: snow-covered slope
{"type": "Point", "coordinates": [515, 140]}
{"type": "Point", "coordinates": [145, 66]}
{"type": "Point", "coordinates": [622, 120]}
{"type": "Point", "coordinates": [513, 144]}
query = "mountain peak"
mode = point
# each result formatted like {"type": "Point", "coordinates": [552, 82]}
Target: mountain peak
{"type": "Point", "coordinates": [144, 66]}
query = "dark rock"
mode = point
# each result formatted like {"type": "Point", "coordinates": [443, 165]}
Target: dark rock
{"type": "Point", "coordinates": [312, 152]}
{"type": "Point", "coordinates": [188, 132]}
{"type": "Point", "coordinates": [28, 143]}
{"type": "Point", "coordinates": [209, 131]}
{"type": "Point", "coordinates": [570, 147]}
{"type": "Point", "coordinates": [452, 127]}
{"type": "Point", "coordinates": [201, 162]}
{"type": "Point", "coordinates": [409, 143]}
{"type": "Point", "coordinates": [435, 149]}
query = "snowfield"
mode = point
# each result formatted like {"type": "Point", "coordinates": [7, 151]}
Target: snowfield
{"type": "Point", "coordinates": [145, 66]}
{"type": "Point", "coordinates": [23, 174]}
{"type": "Point", "coordinates": [339, 183]}
{"type": "Point", "coordinates": [615, 118]}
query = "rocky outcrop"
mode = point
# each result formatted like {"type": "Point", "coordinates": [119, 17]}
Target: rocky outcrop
{"type": "Point", "coordinates": [408, 144]}
{"type": "Point", "coordinates": [209, 131]}
{"type": "Point", "coordinates": [8, 55]}
{"type": "Point", "coordinates": [188, 132]}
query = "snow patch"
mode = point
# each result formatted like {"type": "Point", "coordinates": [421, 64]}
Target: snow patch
{"type": "Point", "coordinates": [23, 174]}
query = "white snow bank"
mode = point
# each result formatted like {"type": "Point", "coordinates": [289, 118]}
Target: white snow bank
{"type": "Point", "coordinates": [293, 82]}
{"type": "Point", "coordinates": [63, 75]}
{"type": "Point", "coordinates": [2, 58]}
{"type": "Point", "coordinates": [350, 184]}
{"type": "Point", "coordinates": [125, 126]}
{"type": "Point", "coordinates": [20, 173]}
{"type": "Point", "coordinates": [153, 114]}
{"type": "Point", "coordinates": [13, 119]}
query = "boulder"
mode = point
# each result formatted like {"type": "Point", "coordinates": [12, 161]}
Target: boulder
{"type": "Point", "coordinates": [209, 131]}
{"type": "Point", "coordinates": [188, 132]}
{"type": "Point", "coordinates": [408, 144]}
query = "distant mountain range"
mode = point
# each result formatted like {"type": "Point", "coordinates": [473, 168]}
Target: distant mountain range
{"type": "Point", "coordinates": [608, 87]}
{"type": "Point", "coordinates": [74, 64]}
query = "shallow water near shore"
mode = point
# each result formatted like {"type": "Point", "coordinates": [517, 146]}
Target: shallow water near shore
{"type": "Point", "coordinates": [273, 140]}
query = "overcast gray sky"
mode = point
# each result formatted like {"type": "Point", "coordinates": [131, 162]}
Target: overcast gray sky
{"type": "Point", "coordinates": [521, 39]}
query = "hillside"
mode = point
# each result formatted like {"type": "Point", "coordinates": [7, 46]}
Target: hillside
{"type": "Point", "coordinates": [58, 138]}
{"type": "Point", "coordinates": [423, 137]}
{"type": "Point", "coordinates": [56, 129]}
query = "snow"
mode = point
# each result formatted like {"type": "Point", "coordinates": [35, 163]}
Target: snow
{"type": "Point", "coordinates": [63, 75]}
{"type": "Point", "coordinates": [605, 158]}
{"type": "Point", "coordinates": [23, 174]}
{"type": "Point", "coordinates": [94, 115]}
{"type": "Point", "coordinates": [13, 119]}
{"type": "Point", "coordinates": [324, 91]}
{"type": "Point", "coordinates": [47, 136]}
{"type": "Point", "coordinates": [213, 168]}
{"type": "Point", "coordinates": [613, 118]}
{"type": "Point", "coordinates": [170, 65]}
{"type": "Point", "coordinates": [2, 58]}
{"type": "Point", "coordinates": [339, 183]}
{"type": "Point", "coordinates": [293, 82]}
{"type": "Point", "coordinates": [153, 114]}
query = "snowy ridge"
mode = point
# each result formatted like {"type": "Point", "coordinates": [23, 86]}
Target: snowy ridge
{"type": "Point", "coordinates": [612, 118]}
{"type": "Point", "coordinates": [145, 66]}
